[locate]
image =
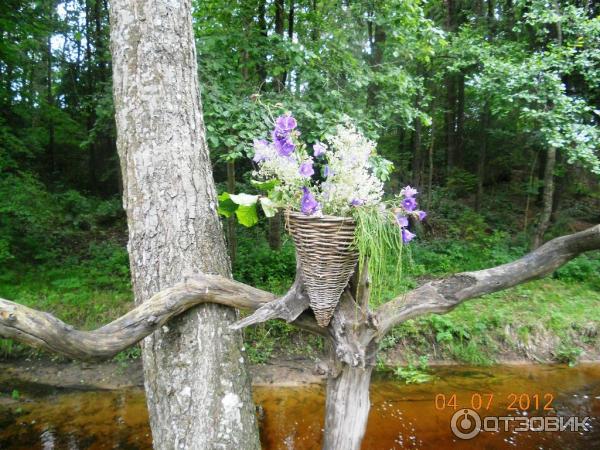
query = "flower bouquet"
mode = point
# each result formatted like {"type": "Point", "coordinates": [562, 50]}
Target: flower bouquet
{"type": "Point", "coordinates": [333, 199]}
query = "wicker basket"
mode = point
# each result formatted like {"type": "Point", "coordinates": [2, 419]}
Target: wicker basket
{"type": "Point", "coordinates": [327, 261]}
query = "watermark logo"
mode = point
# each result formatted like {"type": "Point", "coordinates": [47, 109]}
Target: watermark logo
{"type": "Point", "coordinates": [467, 423]}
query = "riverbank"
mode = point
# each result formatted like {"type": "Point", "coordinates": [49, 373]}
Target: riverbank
{"type": "Point", "coordinates": [112, 375]}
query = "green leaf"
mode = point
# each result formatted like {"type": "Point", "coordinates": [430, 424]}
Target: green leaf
{"type": "Point", "coordinates": [247, 215]}
{"type": "Point", "coordinates": [244, 199]}
{"type": "Point", "coordinates": [226, 206]}
{"type": "Point", "coordinates": [265, 185]}
{"type": "Point", "coordinates": [268, 206]}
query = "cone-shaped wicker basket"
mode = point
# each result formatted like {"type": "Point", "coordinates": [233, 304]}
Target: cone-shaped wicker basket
{"type": "Point", "coordinates": [327, 259]}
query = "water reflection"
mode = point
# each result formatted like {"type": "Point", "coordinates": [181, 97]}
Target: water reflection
{"type": "Point", "coordinates": [402, 416]}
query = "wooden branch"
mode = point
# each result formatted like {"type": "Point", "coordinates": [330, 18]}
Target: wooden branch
{"type": "Point", "coordinates": [289, 307]}
{"type": "Point", "coordinates": [43, 330]}
{"type": "Point", "coordinates": [441, 296]}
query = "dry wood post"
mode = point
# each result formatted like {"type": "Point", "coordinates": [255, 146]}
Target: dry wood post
{"type": "Point", "coordinates": [352, 335]}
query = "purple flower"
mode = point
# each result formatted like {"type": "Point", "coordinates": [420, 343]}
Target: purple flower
{"type": "Point", "coordinates": [283, 144]}
{"type": "Point", "coordinates": [285, 124]}
{"type": "Point", "coordinates": [260, 150]}
{"type": "Point", "coordinates": [357, 202]}
{"type": "Point", "coordinates": [409, 204]}
{"type": "Point", "coordinates": [402, 220]}
{"type": "Point", "coordinates": [408, 192]}
{"type": "Point", "coordinates": [407, 236]}
{"type": "Point", "coordinates": [422, 215]}
{"type": "Point", "coordinates": [327, 172]}
{"type": "Point", "coordinates": [306, 169]}
{"type": "Point", "coordinates": [319, 149]}
{"type": "Point", "coordinates": [308, 204]}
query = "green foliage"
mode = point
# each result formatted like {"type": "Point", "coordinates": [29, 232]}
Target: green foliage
{"type": "Point", "coordinates": [415, 373]}
{"type": "Point", "coordinates": [461, 181]}
{"type": "Point", "coordinates": [583, 269]}
{"type": "Point", "coordinates": [568, 354]}
{"type": "Point", "coordinates": [379, 242]}
{"type": "Point", "coordinates": [258, 265]}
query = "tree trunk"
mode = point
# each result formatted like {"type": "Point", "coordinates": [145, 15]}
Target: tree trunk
{"type": "Point", "coordinates": [450, 85]}
{"type": "Point", "coordinates": [547, 198]}
{"type": "Point", "coordinates": [460, 120]}
{"type": "Point", "coordinates": [262, 26]}
{"type": "Point", "coordinates": [377, 48]}
{"type": "Point", "coordinates": [548, 194]}
{"type": "Point", "coordinates": [347, 408]}
{"type": "Point", "coordinates": [450, 122]}
{"type": "Point", "coordinates": [430, 160]}
{"type": "Point", "coordinates": [279, 29]}
{"type": "Point", "coordinates": [564, 173]}
{"type": "Point", "coordinates": [50, 101]}
{"type": "Point", "coordinates": [197, 387]}
{"type": "Point", "coordinates": [417, 157]}
{"type": "Point", "coordinates": [231, 237]}
{"type": "Point", "coordinates": [482, 156]}
{"type": "Point", "coordinates": [274, 232]}
{"type": "Point", "coordinates": [291, 21]}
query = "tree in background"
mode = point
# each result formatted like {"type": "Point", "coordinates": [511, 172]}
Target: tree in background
{"type": "Point", "coordinates": [426, 80]}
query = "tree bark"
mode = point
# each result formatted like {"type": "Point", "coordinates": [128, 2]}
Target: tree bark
{"type": "Point", "coordinates": [231, 237]}
{"type": "Point", "coordinates": [460, 120]}
{"type": "Point", "coordinates": [279, 29]}
{"type": "Point", "coordinates": [347, 408]}
{"type": "Point", "coordinates": [417, 157]}
{"type": "Point", "coordinates": [377, 49]}
{"type": "Point", "coordinates": [262, 26]}
{"type": "Point", "coordinates": [291, 21]}
{"type": "Point", "coordinates": [547, 198]}
{"type": "Point", "coordinates": [450, 122]}
{"type": "Point", "coordinates": [548, 194]}
{"type": "Point", "coordinates": [430, 168]}
{"type": "Point", "coordinates": [274, 232]}
{"type": "Point", "coordinates": [197, 388]}
{"type": "Point", "coordinates": [481, 157]}
{"type": "Point", "coordinates": [450, 86]}
{"type": "Point", "coordinates": [89, 92]}
{"type": "Point", "coordinates": [50, 102]}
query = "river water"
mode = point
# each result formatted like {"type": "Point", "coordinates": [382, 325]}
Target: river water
{"type": "Point", "coordinates": [402, 416]}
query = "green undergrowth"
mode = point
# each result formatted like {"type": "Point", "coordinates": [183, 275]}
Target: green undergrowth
{"type": "Point", "coordinates": [86, 291]}
{"type": "Point", "coordinates": [547, 319]}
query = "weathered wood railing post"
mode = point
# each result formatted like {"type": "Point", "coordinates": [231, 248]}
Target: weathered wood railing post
{"type": "Point", "coordinates": [353, 353]}
{"type": "Point", "coordinates": [347, 408]}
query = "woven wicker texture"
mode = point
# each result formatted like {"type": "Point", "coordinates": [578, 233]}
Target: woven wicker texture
{"type": "Point", "coordinates": [323, 248]}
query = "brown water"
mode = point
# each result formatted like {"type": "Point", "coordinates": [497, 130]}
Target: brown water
{"type": "Point", "coordinates": [402, 416]}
